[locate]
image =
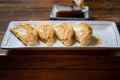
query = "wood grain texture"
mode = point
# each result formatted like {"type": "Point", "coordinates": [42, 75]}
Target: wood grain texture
{"type": "Point", "coordinates": [11, 10]}
{"type": "Point", "coordinates": [60, 60]}
{"type": "Point", "coordinates": [59, 75]}
{"type": "Point", "coordinates": [57, 65]}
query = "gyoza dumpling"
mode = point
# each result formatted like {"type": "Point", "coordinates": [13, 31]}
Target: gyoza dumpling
{"type": "Point", "coordinates": [46, 32]}
{"type": "Point", "coordinates": [79, 3]}
{"type": "Point", "coordinates": [26, 33]}
{"type": "Point", "coordinates": [64, 32]}
{"type": "Point", "coordinates": [83, 32]}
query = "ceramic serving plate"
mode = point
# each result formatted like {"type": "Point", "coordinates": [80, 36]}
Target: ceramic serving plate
{"type": "Point", "coordinates": [105, 32]}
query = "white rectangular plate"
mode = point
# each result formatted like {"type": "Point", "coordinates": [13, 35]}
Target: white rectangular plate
{"type": "Point", "coordinates": [105, 31]}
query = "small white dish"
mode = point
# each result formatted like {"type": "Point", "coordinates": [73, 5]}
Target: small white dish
{"type": "Point", "coordinates": [58, 8]}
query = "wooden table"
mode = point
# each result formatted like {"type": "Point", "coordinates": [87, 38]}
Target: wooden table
{"type": "Point", "coordinates": [57, 65]}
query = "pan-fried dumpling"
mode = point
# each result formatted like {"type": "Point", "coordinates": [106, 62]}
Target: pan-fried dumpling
{"type": "Point", "coordinates": [79, 3]}
{"type": "Point", "coordinates": [26, 33]}
{"type": "Point", "coordinates": [46, 32]}
{"type": "Point", "coordinates": [83, 32]}
{"type": "Point", "coordinates": [64, 32]}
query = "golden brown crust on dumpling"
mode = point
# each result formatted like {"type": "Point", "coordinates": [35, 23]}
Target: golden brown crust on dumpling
{"type": "Point", "coordinates": [83, 33]}
{"type": "Point", "coordinates": [46, 32]}
{"type": "Point", "coordinates": [26, 33]}
{"type": "Point", "coordinates": [64, 32]}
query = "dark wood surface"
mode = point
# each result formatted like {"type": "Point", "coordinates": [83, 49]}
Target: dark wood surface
{"type": "Point", "coordinates": [57, 65]}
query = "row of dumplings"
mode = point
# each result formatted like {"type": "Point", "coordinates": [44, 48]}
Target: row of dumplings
{"type": "Point", "coordinates": [45, 31]}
